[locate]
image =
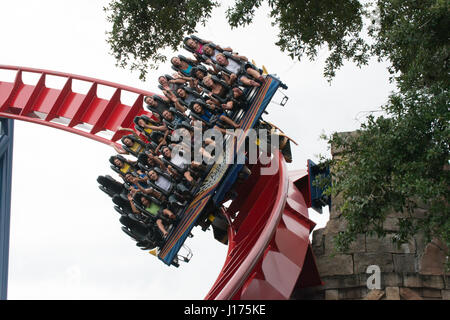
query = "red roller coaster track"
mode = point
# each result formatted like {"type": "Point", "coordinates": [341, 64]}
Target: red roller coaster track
{"type": "Point", "coordinates": [269, 254]}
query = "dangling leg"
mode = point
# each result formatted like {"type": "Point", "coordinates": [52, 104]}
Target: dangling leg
{"type": "Point", "coordinates": [255, 74]}
{"type": "Point", "coordinates": [229, 121]}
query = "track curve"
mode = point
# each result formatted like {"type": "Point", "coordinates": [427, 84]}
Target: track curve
{"type": "Point", "coordinates": [269, 254]}
{"type": "Point", "coordinates": [84, 114]}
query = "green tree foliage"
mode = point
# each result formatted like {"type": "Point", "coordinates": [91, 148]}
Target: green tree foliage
{"type": "Point", "coordinates": [414, 37]}
{"type": "Point", "coordinates": [394, 164]}
{"type": "Point", "coordinates": [306, 26]}
{"type": "Point", "coordinates": [141, 29]}
{"type": "Point", "coordinates": [399, 161]}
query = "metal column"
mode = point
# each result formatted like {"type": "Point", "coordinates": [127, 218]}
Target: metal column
{"type": "Point", "coordinates": [6, 150]}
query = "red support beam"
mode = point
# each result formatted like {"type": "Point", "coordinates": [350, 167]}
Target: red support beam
{"type": "Point", "coordinates": [86, 102]}
{"type": "Point", "coordinates": [20, 101]}
{"type": "Point", "coordinates": [12, 93]}
{"type": "Point", "coordinates": [99, 125]}
{"type": "Point", "coordinates": [36, 90]}
{"type": "Point", "coordinates": [55, 108]}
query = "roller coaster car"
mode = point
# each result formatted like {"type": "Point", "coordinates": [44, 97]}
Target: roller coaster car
{"type": "Point", "coordinates": [318, 198]}
{"type": "Point", "coordinates": [204, 209]}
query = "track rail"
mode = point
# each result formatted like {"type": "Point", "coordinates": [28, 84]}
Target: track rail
{"type": "Point", "coordinates": [269, 252]}
{"type": "Point", "coordinates": [84, 114]}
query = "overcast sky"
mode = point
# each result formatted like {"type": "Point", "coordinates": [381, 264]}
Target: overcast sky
{"type": "Point", "coordinates": [66, 241]}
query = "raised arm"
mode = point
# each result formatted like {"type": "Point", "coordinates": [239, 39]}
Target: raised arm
{"type": "Point", "coordinates": [161, 227]}
{"type": "Point", "coordinates": [133, 207]}
{"type": "Point", "coordinates": [128, 130]}
{"type": "Point", "coordinates": [118, 149]}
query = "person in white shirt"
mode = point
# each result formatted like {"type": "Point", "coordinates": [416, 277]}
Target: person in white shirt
{"type": "Point", "coordinates": [160, 181]}
{"type": "Point", "coordinates": [239, 70]}
{"type": "Point", "coordinates": [180, 160]}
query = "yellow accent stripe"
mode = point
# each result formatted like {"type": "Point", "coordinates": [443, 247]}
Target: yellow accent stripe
{"type": "Point", "coordinates": [125, 168]}
{"type": "Point", "coordinates": [135, 147]}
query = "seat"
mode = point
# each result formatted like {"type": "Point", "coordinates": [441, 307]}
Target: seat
{"type": "Point", "coordinates": [191, 95]}
{"type": "Point", "coordinates": [109, 185]}
{"type": "Point", "coordinates": [137, 230]}
{"type": "Point", "coordinates": [126, 168]}
{"type": "Point", "coordinates": [212, 120]}
{"type": "Point", "coordinates": [162, 105]}
{"type": "Point", "coordinates": [122, 205]}
{"type": "Point", "coordinates": [137, 202]}
{"type": "Point", "coordinates": [146, 131]}
{"type": "Point", "coordinates": [177, 188]}
{"type": "Point", "coordinates": [177, 69]}
{"type": "Point", "coordinates": [200, 67]}
{"type": "Point", "coordinates": [243, 67]}
{"type": "Point", "coordinates": [137, 147]}
{"type": "Point", "coordinates": [152, 217]}
{"type": "Point", "coordinates": [178, 118]}
{"type": "Point", "coordinates": [178, 169]}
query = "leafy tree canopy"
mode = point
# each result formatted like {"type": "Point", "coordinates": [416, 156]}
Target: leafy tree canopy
{"type": "Point", "coordinates": [400, 161]}
{"type": "Point", "coordinates": [142, 29]}
{"type": "Point", "coordinates": [396, 164]}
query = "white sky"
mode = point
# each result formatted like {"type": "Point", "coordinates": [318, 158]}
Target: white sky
{"type": "Point", "coordinates": [66, 241]}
